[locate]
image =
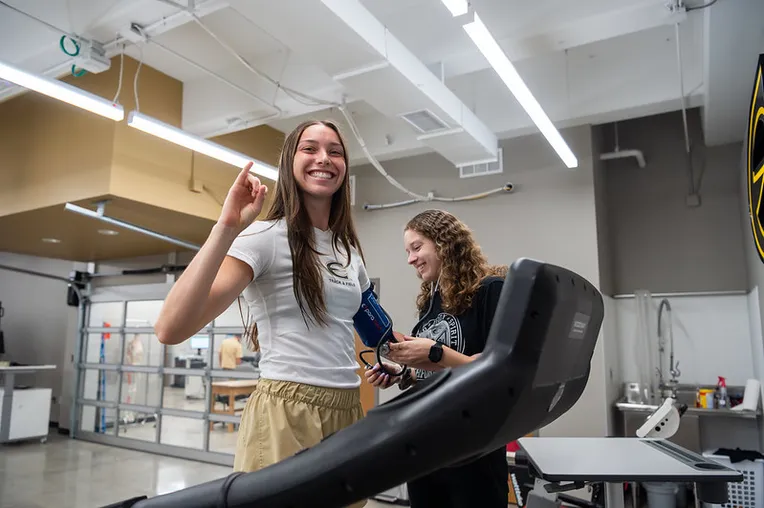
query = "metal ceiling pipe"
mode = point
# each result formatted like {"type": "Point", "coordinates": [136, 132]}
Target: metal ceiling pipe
{"type": "Point", "coordinates": [36, 274]}
{"type": "Point", "coordinates": [621, 154]}
{"type": "Point", "coordinates": [126, 225]}
{"type": "Point", "coordinates": [69, 281]}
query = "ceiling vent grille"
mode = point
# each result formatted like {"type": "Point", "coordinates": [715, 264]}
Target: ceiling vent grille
{"type": "Point", "coordinates": [482, 168]}
{"type": "Point", "coordinates": [424, 121]}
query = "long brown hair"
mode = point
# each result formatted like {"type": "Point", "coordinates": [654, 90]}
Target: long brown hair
{"type": "Point", "coordinates": [464, 265]}
{"type": "Point", "coordinates": [288, 204]}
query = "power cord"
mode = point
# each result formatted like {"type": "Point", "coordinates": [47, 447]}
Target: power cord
{"type": "Point", "coordinates": [314, 101]}
{"type": "Point", "coordinates": [699, 7]}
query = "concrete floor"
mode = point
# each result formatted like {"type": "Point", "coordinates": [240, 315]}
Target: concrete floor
{"type": "Point", "coordinates": [67, 473]}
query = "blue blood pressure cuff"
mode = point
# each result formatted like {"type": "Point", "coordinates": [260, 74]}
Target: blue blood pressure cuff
{"type": "Point", "coordinates": [371, 322]}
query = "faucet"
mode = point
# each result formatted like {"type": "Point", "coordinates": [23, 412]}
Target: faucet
{"type": "Point", "coordinates": [673, 368]}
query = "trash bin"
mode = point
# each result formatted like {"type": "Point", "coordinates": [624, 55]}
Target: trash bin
{"type": "Point", "coordinates": [661, 494]}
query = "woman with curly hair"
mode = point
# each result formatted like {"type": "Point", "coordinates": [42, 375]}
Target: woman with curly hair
{"type": "Point", "coordinates": [456, 304]}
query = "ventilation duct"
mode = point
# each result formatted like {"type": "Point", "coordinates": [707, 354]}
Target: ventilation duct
{"type": "Point", "coordinates": [403, 86]}
{"type": "Point", "coordinates": [424, 121]}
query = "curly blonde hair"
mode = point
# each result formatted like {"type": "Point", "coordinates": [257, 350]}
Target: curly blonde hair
{"type": "Point", "coordinates": [464, 265]}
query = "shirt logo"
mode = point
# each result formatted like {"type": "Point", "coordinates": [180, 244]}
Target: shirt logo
{"type": "Point", "coordinates": [336, 269]}
{"type": "Point", "coordinates": [340, 275]}
{"type": "Point", "coordinates": [447, 330]}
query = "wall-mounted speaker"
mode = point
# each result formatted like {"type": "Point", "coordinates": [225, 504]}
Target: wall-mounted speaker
{"type": "Point", "coordinates": [76, 278]}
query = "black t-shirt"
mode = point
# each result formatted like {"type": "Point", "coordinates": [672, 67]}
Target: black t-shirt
{"type": "Point", "coordinates": [466, 333]}
{"type": "Point", "coordinates": [482, 482]}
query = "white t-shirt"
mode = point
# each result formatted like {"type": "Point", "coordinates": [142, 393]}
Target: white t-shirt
{"type": "Point", "coordinates": [290, 351]}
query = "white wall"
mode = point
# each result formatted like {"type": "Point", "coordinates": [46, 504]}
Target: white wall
{"type": "Point", "coordinates": [757, 343]}
{"type": "Point", "coordinates": [613, 362]}
{"type": "Point", "coordinates": [712, 337]}
{"type": "Point", "coordinates": [613, 374]}
{"type": "Point", "coordinates": [37, 321]}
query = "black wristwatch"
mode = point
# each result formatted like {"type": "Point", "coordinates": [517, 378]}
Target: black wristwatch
{"type": "Point", "coordinates": [436, 352]}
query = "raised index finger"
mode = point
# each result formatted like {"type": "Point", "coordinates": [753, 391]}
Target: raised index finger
{"type": "Point", "coordinates": [242, 177]}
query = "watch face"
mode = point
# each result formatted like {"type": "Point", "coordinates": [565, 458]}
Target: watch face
{"type": "Point", "coordinates": [436, 353]}
{"type": "Point", "coordinates": [755, 159]}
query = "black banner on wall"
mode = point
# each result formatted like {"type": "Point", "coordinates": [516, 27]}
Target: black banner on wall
{"type": "Point", "coordinates": [755, 159]}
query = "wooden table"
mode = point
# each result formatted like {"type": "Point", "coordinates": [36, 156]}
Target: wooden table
{"type": "Point", "coordinates": [230, 389]}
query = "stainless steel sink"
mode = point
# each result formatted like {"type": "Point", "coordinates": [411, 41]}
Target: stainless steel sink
{"type": "Point", "coordinates": [687, 396]}
{"type": "Point", "coordinates": [630, 416]}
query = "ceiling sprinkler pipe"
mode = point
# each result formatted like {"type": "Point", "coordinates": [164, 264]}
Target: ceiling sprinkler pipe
{"type": "Point", "coordinates": [621, 154]}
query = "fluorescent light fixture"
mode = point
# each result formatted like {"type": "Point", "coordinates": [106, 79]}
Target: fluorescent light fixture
{"type": "Point", "coordinates": [62, 91]}
{"type": "Point", "coordinates": [491, 50]}
{"type": "Point", "coordinates": [457, 7]}
{"type": "Point", "coordinates": [51, 240]}
{"type": "Point", "coordinates": [198, 144]}
{"type": "Point", "coordinates": [98, 215]}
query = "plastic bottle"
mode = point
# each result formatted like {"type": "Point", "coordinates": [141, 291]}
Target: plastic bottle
{"type": "Point", "coordinates": [721, 388]}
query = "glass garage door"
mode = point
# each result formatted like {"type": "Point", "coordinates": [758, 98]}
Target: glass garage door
{"type": "Point", "coordinates": [137, 393]}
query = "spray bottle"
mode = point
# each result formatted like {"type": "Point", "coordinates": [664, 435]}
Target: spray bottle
{"type": "Point", "coordinates": [721, 389]}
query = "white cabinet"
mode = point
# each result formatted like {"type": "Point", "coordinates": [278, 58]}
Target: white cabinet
{"type": "Point", "coordinates": [24, 413]}
{"type": "Point", "coordinates": [29, 415]}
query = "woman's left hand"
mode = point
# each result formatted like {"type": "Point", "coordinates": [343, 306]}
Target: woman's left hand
{"type": "Point", "coordinates": [413, 351]}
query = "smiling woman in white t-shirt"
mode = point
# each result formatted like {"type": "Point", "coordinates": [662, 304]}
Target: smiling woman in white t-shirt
{"type": "Point", "coordinates": [302, 273]}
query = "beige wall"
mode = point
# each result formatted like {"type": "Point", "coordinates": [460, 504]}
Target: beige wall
{"type": "Point", "coordinates": [153, 171]}
{"type": "Point", "coordinates": [52, 153]}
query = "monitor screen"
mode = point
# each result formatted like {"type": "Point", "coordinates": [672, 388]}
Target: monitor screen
{"type": "Point", "coordinates": [200, 342]}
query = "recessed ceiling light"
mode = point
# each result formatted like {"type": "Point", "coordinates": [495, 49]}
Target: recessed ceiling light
{"type": "Point", "coordinates": [51, 240]}
{"type": "Point", "coordinates": [107, 232]}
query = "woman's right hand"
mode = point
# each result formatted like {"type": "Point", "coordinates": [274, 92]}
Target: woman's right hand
{"type": "Point", "coordinates": [244, 201]}
{"type": "Point", "coordinates": [377, 378]}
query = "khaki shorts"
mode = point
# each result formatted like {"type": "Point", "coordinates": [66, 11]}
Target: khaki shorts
{"type": "Point", "coordinates": [281, 418]}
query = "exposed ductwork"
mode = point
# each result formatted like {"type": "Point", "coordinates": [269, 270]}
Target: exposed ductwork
{"type": "Point", "coordinates": [402, 86]}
